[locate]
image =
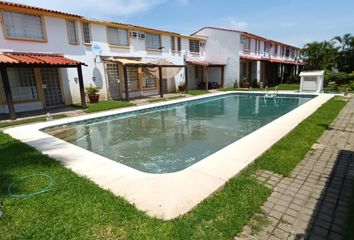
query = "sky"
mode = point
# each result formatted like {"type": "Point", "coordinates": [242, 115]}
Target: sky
{"type": "Point", "coordinates": [294, 22]}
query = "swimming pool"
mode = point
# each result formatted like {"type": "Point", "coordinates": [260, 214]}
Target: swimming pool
{"type": "Point", "coordinates": [171, 192]}
{"type": "Point", "coordinates": [171, 138]}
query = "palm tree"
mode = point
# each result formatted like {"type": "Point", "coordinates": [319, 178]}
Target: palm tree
{"type": "Point", "coordinates": [319, 55]}
{"type": "Point", "coordinates": [344, 41]}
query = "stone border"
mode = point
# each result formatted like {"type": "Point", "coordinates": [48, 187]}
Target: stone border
{"type": "Point", "coordinates": [168, 195]}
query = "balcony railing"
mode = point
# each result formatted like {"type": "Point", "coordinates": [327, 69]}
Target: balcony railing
{"type": "Point", "coordinates": [262, 54]}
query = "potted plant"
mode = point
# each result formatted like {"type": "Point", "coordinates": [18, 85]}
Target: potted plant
{"type": "Point", "coordinates": [92, 93]}
{"type": "Point", "coordinates": [182, 86]}
{"type": "Point", "coordinates": [245, 83]}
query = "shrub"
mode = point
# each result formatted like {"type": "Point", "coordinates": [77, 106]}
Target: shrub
{"type": "Point", "coordinates": [339, 78]}
{"type": "Point", "coordinates": [92, 90]}
{"type": "Point", "coordinates": [293, 79]}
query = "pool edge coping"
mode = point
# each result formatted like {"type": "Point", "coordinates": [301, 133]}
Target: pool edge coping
{"type": "Point", "coordinates": [168, 195]}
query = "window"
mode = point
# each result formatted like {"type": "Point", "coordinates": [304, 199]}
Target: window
{"type": "Point", "coordinates": [86, 32]}
{"type": "Point", "coordinates": [23, 26]}
{"type": "Point", "coordinates": [194, 46]}
{"type": "Point", "coordinates": [276, 49]}
{"type": "Point", "coordinates": [23, 84]}
{"type": "Point", "coordinates": [246, 43]}
{"type": "Point", "coordinates": [173, 43]}
{"type": "Point", "coordinates": [72, 32]}
{"type": "Point", "coordinates": [179, 45]}
{"type": "Point", "coordinates": [149, 81]}
{"type": "Point", "coordinates": [133, 79]}
{"type": "Point", "coordinates": [118, 36]}
{"type": "Point", "coordinates": [267, 47]}
{"type": "Point", "coordinates": [153, 41]}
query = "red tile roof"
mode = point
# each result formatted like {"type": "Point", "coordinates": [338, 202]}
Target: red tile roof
{"type": "Point", "coordinates": [37, 59]}
{"type": "Point", "coordinates": [37, 8]}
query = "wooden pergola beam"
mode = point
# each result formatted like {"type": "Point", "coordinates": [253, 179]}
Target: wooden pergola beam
{"type": "Point", "coordinates": [125, 73]}
{"type": "Point", "coordinates": [81, 85]}
{"type": "Point", "coordinates": [8, 94]}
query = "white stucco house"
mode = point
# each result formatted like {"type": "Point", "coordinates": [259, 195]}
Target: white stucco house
{"type": "Point", "coordinates": [48, 57]}
{"type": "Point", "coordinates": [250, 58]}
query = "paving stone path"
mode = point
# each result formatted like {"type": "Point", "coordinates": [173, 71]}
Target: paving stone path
{"type": "Point", "coordinates": [313, 202]}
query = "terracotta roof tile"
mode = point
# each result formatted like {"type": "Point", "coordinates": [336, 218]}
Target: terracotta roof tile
{"type": "Point", "coordinates": [37, 58]}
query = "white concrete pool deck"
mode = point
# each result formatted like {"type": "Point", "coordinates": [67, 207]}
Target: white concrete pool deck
{"type": "Point", "coordinates": [169, 195]}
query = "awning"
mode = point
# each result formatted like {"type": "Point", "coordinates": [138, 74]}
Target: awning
{"type": "Point", "coordinates": [37, 59]}
{"type": "Point", "coordinates": [124, 61]}
{"type": "Point", "coordinates": [205, 63]}
{"type": "Point", "coordinates": [270, 60]}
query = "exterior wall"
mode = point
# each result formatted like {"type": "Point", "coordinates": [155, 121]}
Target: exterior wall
{"type": "Point", "coordinates": [222, 46]}
{"type": "Point", "coordinates": [94, 73]}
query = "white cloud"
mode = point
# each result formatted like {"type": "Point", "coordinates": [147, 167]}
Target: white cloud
{"type": "Point", "coordinates": [102, 9]}
{"type": "Point", "coordinates": [233, 23]}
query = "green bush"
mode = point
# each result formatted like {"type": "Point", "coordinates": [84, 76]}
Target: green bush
{"type": "Point", "coordinates": [339, 78]}
{"type": "Point", "coordinates": [293, 79]}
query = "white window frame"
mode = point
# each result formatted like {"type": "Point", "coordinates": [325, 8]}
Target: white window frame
{"type": "Point", "coordinates": [89, 32]}
{"type": "Point", "coordinates": [148, 37]}
{"type": "Point", "coordinates": [194, 46]}
{"type": "Point", "coordinates": [24, 38]}
{"type": "Point", "coordinates": [119, 45]}
{"type": "Point", "coordinates": [68, 21]}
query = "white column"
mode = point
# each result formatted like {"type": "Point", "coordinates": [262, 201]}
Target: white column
{"type": "Point", "coordinates": [258, 72]}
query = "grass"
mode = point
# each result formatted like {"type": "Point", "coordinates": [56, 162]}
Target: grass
{"type": "Point", "coordinates": [287, 86]}
{"type": "Point", "coordinates": [197, 92]}
{"type": "Point", "coordinates": [76, 208]}
{"type": "Point", "coordinates": [287, 153]}
{"type": "Point", "coordinates": [165, 99]}
{"type": "Point", "coordinates": [104, 105]}
{"type": "Point", "coordinates": [4, 124]}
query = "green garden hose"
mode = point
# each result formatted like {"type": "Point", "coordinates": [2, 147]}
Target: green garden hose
{"type": "Point", "coordinates": [43, 190]}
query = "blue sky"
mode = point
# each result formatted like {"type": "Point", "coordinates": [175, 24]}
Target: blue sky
{"type": "Point", "coordinates": [291, 21]}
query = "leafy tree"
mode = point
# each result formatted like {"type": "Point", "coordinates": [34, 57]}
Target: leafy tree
{"type": "Point", "coordinates": [320, 55]}
{"type": "Point", "coordinates": [345, 58]}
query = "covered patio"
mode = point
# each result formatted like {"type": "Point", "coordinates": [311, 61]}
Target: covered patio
{"type": "Point", "coordinates": [34, 79]}
{"type": "Point", "coordinates": [140, 78]}
{"type": "Point", "coordinates": [206, 74]}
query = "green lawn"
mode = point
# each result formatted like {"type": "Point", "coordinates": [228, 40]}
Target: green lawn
{"type": "Point", "coordinates": [76, 208]}
{"type": "Point", "coordinates": [29, 120]}
{"type": "Point", "coordinates": [287, 86]}
{"type": "Point", "coordinates": [197, 92]}
{"type": "Point", "coordinates": [165, 99]}
{"type": "Point", "coordinates": [104, 105]}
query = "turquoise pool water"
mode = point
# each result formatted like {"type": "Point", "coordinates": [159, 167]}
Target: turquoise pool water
{"type": "Point", "coordinates": [171, 138]}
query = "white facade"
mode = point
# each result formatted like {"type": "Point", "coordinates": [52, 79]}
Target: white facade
{"type": "Point", "coordinates": [312, 81]}
{"type": "Point", "coordinates": [94, 74]}
{"type": "Point", "coordinates": [223, 46]}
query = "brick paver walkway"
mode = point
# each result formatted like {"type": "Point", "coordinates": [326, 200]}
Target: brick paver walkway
{"type": "Point", "coordinates": [312, 203]}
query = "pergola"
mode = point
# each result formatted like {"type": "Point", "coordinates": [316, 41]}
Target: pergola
{"type": "Point", "coordinates": [36, 60]}
{"type": "Point", "coordinates": [206, 65]}
{"type": "Point", "coordinates": [158, 64]}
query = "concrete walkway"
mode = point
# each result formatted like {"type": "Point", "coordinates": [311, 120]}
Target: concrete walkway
{"type": "Point", "coordinates": [313, 202]}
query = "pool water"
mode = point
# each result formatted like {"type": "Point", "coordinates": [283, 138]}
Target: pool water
{"type": "Point", "coordinates": [171, 138]}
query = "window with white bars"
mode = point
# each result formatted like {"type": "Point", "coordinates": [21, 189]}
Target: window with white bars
{"type": "Point", "coordinates": [118, 36]}
{"type": "Point", "coordinates": [23, 84]}
{"type": "Point", "coordinates": [86, 32]}
{"type": "Point", "coordinates": [179, 45]}
{"type": "Point", "coordinates": [247, 43]}
{"type": "Point", "coordinates": [153, 41]}
{"type": "Point", "coordinates": [194, 46]}
{"type": "Point", "coordinates": [23, 26]}
{"type": "Point", "coordinates": [72, 32]}
{"type": "Point", "coordinates": [133, 79]}
{"type": "Point", "coordinates": [173, 43]}
{"type": "Point", "coordinates": [149, 81]}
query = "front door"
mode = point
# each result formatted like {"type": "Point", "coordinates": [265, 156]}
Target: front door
{"type": "Point", "coordinates": [51, 87]}
{"type": "Point", "coordinates": [113, 81]}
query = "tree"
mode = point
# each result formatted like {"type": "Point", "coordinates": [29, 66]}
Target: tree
{"type": "Point", "coordinates": [345, 58]}
{"type": "Point", "coordinates": [344, 41]}
{"type": "Point", "coordinates": [319, 55]}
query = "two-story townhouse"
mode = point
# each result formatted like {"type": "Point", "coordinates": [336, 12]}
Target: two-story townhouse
{"type": "Point", "coordinates": [250, 59]}
{"type": "Point", "coordinates": [31, 37]}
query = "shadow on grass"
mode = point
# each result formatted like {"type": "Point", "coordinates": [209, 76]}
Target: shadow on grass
{"type": "Point", "coordinates": [330, 218]}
